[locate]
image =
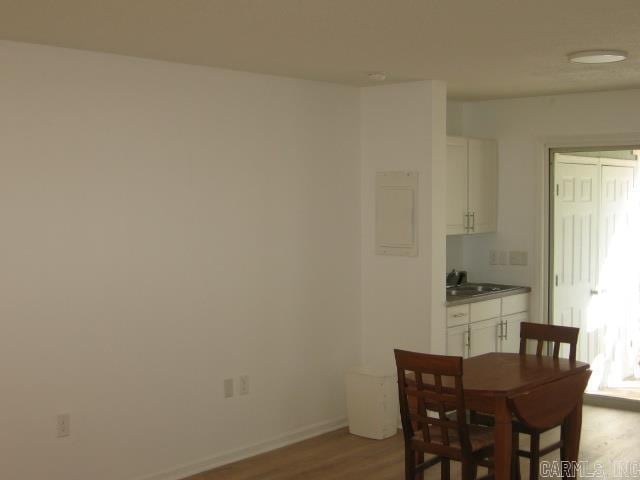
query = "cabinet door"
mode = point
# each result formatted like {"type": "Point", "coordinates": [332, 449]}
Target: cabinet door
{"type": "Point", "coordinates": [483, 185]}
{"type": "Point", "coordinates": [457, 338]}
{"type": "Point", "coordinates": [456, 185]}
{"type": "Point", "coordinates": [510, 342]}
{"type": "Point", "coordinates": [484, 337]}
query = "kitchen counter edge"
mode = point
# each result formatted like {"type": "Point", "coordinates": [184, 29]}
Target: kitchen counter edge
{"type": "Point", "coordinates": [489, 296]}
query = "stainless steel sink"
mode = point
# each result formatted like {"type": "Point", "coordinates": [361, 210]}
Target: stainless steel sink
{"type": "Point", "coordinates": [471, 289]}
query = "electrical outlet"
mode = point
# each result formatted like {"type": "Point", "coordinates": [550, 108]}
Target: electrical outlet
{"type": "Point", "coordinates": [228, 387]}
{"type": "Point", "coordinates": [493, 257]}
{"type": "Point", "coordinates": [517, 258]}
{"type": "Point", "coordinates": [502, 260]}
{"type": "Point", "coordinates": [243, 388]}
{"type": "Point", "coordinates": [63, 425]}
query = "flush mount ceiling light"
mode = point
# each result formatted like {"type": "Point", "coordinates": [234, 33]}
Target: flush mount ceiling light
{"type": "Point", "coordinates": [377, 76]}
{"type": "Point", "coordinates": [598, 56]}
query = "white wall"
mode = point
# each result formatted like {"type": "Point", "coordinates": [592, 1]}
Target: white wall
{"type": "Point", "coordinates": [455, 252]}
{"type": "Point", "coordinates": [403, 128]}
{"type": "Point", "coordinates": [522, 126]}
{"type": "Point", "coordinates": [455, 117]}
{"type": "Point", "coordinates": [165, 227]}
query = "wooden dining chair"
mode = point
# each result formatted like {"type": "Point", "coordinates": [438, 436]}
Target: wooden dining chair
{"type": "Point", "coordinates": [434, 420]}
{"type": "Point", "coordinates": [542, 418]}
{"type": "Point", "coordinates": [550, 334]}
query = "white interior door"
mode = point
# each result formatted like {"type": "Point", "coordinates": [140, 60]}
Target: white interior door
{"type": "Point", "coordinates": [617, 190]}
{"type": "Point", "coordinates": [576, 249]}
{"type": "Point", "coordinates": [618, 296]}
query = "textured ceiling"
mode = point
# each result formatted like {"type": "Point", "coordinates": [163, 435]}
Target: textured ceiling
{"type": "Point", "coordinates": [481, 48]}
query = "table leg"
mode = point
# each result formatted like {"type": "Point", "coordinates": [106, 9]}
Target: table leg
{"type": "Point", "coordinates": [503, 440]}
{"type": "Point", "coordinates": [571, 429]}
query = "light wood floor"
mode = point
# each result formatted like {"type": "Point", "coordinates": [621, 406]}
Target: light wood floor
{"type": "Point", "coordinates": [607, 436]}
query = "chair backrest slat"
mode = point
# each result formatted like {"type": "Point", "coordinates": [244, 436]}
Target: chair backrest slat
{"type": "Point", "coordinates": [554, 334]}
{"type": "Point", "coordinates": [444, 430]}
{"type": "Point", "coordinates": [422, 405]}
{"type": "Point", "coordinates": [433, 398]}
{"type": "Point", "coordinates": [418, 418]}
{"type": "Point", "coordinates": [433, 384]}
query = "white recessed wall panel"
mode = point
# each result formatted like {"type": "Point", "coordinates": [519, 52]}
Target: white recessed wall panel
{"type": "Point", "coordinates": [396, 194]}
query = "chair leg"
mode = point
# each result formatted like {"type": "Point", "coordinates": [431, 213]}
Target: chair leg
{"type": "Point", "coordinates": [469, 470]}
{"type": "Point", "coordinates": [534, 460]}
{"type": "Point", "coordinates": [409, 464]}
{"type": "Point", "coordinates": [473, 417]}
{"type": "Point", "coordinates": [445, 469]}
{"type": "Point", "coordinates": [515, 458]}
{"type": "Point", "coordinates": [419, 459]}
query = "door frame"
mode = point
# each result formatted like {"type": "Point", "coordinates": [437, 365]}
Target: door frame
{"type": "Point", "coordinates": [596, 161]}
{"type": "Point", "coordinates": [543, 240]}
{"type": "Point", "coordinates": [543, 213]}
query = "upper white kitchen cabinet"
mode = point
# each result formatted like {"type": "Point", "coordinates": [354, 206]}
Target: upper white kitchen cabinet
{"type": "Point", "coordinates": [456, 184]}
{"type": "Point", "coordinates": [472, 185]}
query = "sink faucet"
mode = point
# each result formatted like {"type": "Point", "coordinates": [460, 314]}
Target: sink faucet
{"type": "Point", "coordinates": [455, 278]}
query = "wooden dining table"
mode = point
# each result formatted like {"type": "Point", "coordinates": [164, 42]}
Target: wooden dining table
{"type": "Point", "coordinates": [491, 379]}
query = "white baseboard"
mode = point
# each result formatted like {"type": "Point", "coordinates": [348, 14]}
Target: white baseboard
{"type": "Point", "coordinates": [608, 401]}
{"type": "Point", "coordinates": [231, 456]}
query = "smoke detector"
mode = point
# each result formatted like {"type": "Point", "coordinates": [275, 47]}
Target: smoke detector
{"type": "Point", "coordinates": [598, 56]}
{"type": "Point", "coordinates": [377, 76]}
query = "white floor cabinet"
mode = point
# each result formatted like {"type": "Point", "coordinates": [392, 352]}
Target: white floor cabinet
{"type": "Point", "coordinates": [486, 326]}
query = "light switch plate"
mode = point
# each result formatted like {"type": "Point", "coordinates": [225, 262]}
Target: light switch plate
{"type": "Point", "coordinates": [502, 260]}
{"type": "Point", "coordinates": [63, 425]}
{"type": "Point", "coordinates": [517, 257]}
{"type": "Point", "coordinates": [243, 388]}
{"type": "Point", "coordinates": [493, 257]}
{"type": "Point", "coordinates": [228, 387]}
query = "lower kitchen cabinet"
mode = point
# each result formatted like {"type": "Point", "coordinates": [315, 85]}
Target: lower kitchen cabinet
{"type": "Point", "coordinates": [457, 340]}
{"type": "Point", "coordinates": [470, 332]}
{"type": "Point", "coordinates": [510, 332]}
{"type": "Point", "coordinates": [483, 337]}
